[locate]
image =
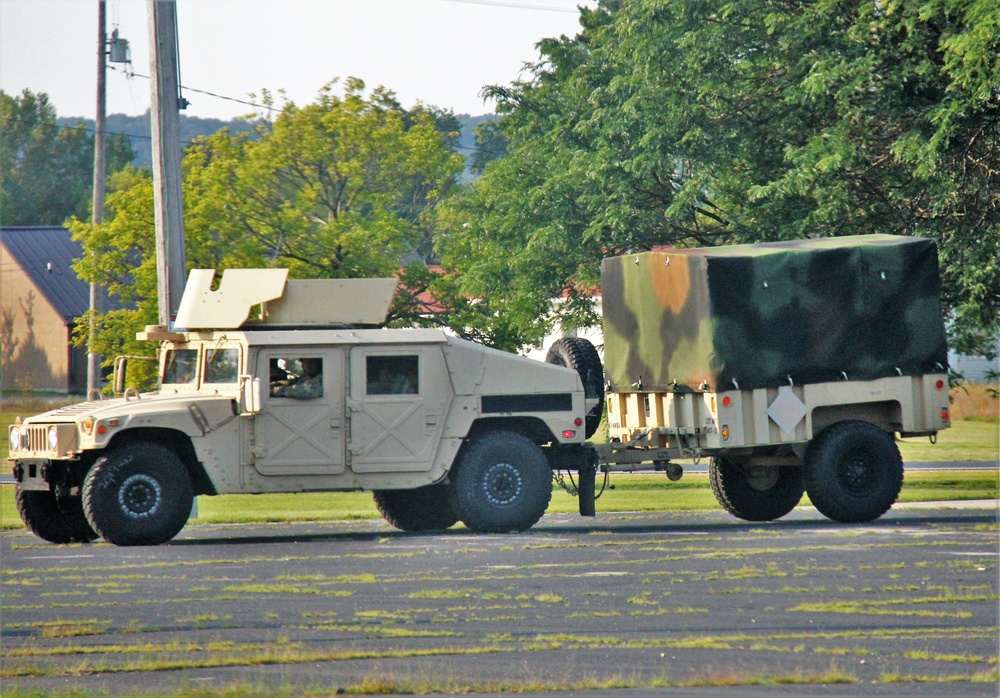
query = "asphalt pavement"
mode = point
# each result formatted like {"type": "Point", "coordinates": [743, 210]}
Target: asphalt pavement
{"type": "Point", "coordinates": [626, 604]}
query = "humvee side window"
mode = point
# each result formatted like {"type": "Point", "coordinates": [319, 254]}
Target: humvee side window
{"type": "Point", "coordinates": [181, 366]}
{"type": "Point", "coordinates": [222, 366]}
{"type": "Point", "coordinates": [392, 375]}
{"type": "Point", "coordinates": [300, 378]}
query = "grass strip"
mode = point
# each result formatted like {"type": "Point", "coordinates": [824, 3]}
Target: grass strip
{"type": "Point", "coordinates": [629, 492]}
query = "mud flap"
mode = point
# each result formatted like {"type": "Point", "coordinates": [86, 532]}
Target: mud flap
{"type": "Point", "coordinates": [586, 479]}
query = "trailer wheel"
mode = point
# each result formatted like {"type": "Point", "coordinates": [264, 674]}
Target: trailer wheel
{"type": "Point", "coordinates": [853, 472]}
{"type": "Point", "coordinates": [421, 509]}
{"type": "Point", "coordinates": [755, 493]}
{"type": "Point", "coordinates": [501, 482]}
{"type": "Point", "coordinates": [581, 356]}
{"type": "Point", "coordinates": [51, 519]}
{"type": "Point", "coordinates": [139, 494]}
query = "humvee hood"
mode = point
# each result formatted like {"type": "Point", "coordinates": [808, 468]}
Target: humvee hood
{"type": "Point", "coordinates": [189, 413]}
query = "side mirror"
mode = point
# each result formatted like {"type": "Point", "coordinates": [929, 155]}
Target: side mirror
{"type": "Point", "coordinates": [118, 378]}
{"type": "Point", "coordinates": [121, 366]}
{"type": "Point", "coordinates": [249, 395]}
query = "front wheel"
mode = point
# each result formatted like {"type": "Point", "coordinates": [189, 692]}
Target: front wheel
{"type": "Point", "coordinates": [853, 472]}
{"type": "Point", "coordinates": [52, 519]}
{"type": "Point", "coordinates": [500, 483]}
{"type": "Point", "coordinates": [755, 493]}
{"type": "Point", "coordinates": [139, 494]}
{"type": "Point", "coordinates": [417, 510]}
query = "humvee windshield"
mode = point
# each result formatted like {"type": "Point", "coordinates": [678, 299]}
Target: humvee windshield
{"type": "Point", "coordinates": [180, 366]}
{"type": "Point", "coordinates": [222, 366]}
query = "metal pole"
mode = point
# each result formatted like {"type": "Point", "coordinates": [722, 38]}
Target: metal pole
{"type": "Point", "coordinates": [93, 359]}
{"type": "Point", "coordinates": [165, 116]}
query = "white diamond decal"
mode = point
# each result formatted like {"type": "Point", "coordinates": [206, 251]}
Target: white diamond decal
{"type": "Point", "coordinates": [787, 410]}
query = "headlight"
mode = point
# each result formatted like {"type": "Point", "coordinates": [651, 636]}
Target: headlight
{"type": "Point", "coordinates": [15, 440]}
{"type": "Point", "coordinates": [53, 438]}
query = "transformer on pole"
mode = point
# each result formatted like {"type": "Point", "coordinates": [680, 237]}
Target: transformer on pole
{"type": "Point", "coordinates": [115, 50]}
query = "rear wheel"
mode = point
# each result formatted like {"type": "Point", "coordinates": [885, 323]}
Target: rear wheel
{"type": "Point", "coordinates": [582, 357]}
{"type": "Point", "coordinates": [422, 509]}
{"type": "Point", "coordinates": [501, 482]}
{"type": "Point", "coordinates": [51, 519]}
{"type": "Point", "coordinates": [853, 472]}
{"type": "Point", "coordinates": [755, 493]}
{"type": "Point", "coordinates": [139, 494]}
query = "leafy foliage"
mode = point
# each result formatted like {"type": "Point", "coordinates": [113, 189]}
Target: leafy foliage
{"type": "Point", "coordinates": [697, 122]}
{"type": "Point", "coordinates": [47, 171]}
{"type": "Point", "coordinates": [345, 187]}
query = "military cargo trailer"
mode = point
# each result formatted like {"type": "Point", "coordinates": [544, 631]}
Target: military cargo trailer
{"type": "Point", "coordinates": [308, 395]}
{"type": "Point", "coordinates": [791, 365]}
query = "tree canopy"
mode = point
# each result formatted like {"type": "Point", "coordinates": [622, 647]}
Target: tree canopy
{"type": "Point", "coordinates": [701, 122]}
{"type": "Point", "coordinates": [344, 187]}
{"type": "Point", "coordinates": [46, 170]}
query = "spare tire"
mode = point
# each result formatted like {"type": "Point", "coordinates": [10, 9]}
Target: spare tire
{"type": "Point", "coordinates": [582, 357]}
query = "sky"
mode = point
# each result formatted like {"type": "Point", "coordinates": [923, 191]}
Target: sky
{"type": "Point", "coordinates": [438, 52]}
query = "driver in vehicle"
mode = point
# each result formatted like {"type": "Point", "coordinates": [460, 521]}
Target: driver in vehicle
{"type": "Point", "coordinates": [306, 386]}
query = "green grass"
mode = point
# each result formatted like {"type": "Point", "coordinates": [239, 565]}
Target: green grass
{"type": "Point", "coordinates": [631, 492]}
{"type": "Point", "coordinates": [966, 440]}
{"type": "Point", "coordinates": [648, 492]}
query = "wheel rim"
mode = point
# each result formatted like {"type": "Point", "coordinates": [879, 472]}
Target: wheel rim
{"type": "Point", "coordinates": [502, 484]}
{"type": "Point", "coordinates": [760, 478]}
{"type": "Point", "coordinates": [140, 496]}
{"type": "Point", "coordinates": [856, 472]}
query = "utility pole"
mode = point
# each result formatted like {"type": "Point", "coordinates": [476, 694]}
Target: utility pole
{"type": "Point", "coordinates": [93, 359]}
{"type": "Point", "coordinates": [166, 103]}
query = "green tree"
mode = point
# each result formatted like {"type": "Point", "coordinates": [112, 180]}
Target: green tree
{"type": "Point", "coordinates": [345, 187]}
{"type": "Point", "coordinates": [696, 122]}
{"type": "Point", "coordinates": [490, 145]}
{"type": "Point", "coordinates": [47, 171]}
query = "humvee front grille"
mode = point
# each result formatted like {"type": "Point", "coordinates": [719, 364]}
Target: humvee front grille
{"type": "Point", "coordinates": [34, 439]}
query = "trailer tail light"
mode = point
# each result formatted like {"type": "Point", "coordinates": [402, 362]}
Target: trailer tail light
{"type": "Point", "coordinates": [568, 433]}
{"type": "Point", "coordinates": [944, 414]}
{"type": "Point", "coordinates": [726, 401]}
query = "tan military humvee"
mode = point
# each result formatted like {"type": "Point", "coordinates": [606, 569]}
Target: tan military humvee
{"type": "Point", "coordinates": [311, 396]}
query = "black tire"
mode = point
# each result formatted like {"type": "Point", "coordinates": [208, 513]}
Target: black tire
{"type": "Point", "coordinates": [501, 482]}
{"type": "Point", "coordinates": [57, 521]}
{"type": "Point", "coordinates": [755, 493]}
{"type": "Point", "coordinates": [582, 357]}
{"type": "Point", "coordinates": [139, 494]}
{"type": "Point", "coordinates": [422, 509]}
{"type": "Point", "coordinates": [853, 472]}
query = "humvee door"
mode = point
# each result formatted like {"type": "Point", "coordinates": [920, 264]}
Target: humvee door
{"type": "Point", "coordinates": [399, 401]}
{"type": "Point", "coordinates": [300, 429]}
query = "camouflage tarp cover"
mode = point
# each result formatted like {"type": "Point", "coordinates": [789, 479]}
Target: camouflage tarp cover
{"type": "Point", "coordinates": [754, 315]}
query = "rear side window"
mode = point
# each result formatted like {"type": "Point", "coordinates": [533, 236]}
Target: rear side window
{"type": "Point", "coordinates": [392, 375]}
{"type": "Point", "coordinates": [181, 366]}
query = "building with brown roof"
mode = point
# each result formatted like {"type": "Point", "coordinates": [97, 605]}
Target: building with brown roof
{"type": "Point", "coordinates": [40, 299]}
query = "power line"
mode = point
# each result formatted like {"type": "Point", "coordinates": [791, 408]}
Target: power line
{"type": "Point", "coordinates": [130, 73]}
{"type": "Point", "coordinates": [517, 6]}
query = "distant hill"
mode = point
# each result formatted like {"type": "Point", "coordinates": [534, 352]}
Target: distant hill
{"type": "Point", "coordinates": [138, 130]}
